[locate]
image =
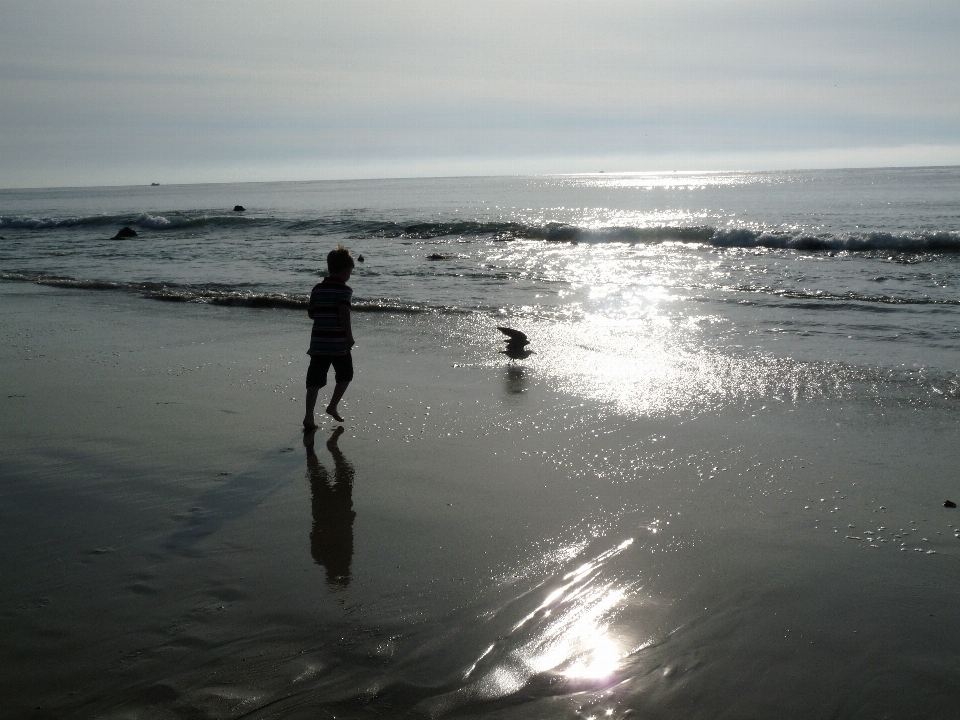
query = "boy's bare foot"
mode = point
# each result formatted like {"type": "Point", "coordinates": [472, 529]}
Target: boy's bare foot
{"type": "Point", "coordinates": [332, 412]}
{"type": "Point", "coordinates": [309, 424]}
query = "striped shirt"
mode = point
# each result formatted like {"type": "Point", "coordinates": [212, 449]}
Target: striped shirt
{"type": "Point", "coordinates": [329, 336]}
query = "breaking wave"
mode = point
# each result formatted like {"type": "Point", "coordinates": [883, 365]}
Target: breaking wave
{"type": "Point", "coordinates": [905, 242]}
{"type": "Point", "coordinates": [349, 225]}
{"type": "Point", "coordinates": [143, 221]}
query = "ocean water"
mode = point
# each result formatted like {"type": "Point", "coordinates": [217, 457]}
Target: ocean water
{"type": "Point", "coordinates": [855, 268]}
{"type": "Point", "coordinates": [719, 476]}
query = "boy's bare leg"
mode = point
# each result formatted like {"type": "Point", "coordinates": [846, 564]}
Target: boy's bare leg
{"type": "Point", "coordinates": [338, 391]}
{"type": "Point", "coordinates": [308, 423]}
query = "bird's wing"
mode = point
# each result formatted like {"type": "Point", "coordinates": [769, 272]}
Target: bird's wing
{"type": "Point", "coordinates": [513, 334]}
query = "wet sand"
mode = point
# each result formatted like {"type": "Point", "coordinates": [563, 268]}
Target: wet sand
{"type": "Point", "coordinates": [476, 543]}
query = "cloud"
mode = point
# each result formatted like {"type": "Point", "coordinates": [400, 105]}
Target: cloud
{"type": "Point", "coordinates": [103, 92]}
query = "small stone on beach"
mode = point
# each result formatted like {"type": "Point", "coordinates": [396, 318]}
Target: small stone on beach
{"type": "Point", "coordinates": [949, 504]}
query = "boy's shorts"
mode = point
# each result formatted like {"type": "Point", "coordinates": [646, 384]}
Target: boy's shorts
{"type": "Point", "coordinates": [319, 364]}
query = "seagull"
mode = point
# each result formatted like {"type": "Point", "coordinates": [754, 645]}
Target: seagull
{"type": "Point", "coordinates": [516, 344]}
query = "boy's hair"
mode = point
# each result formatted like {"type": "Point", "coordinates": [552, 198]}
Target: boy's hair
{"type": "Point", "coordinates": [339, 259]}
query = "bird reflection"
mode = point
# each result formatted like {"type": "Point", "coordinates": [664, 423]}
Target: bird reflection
{"type": "Point", "coordinates": [331, 539]}
{"type": "Point", "coordinates": [514, 381]}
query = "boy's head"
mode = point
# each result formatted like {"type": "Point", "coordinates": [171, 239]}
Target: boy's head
{"type": "Point", "coordinates": [339, 260]}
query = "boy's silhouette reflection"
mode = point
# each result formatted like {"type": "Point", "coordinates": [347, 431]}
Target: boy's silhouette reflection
{"type": "Point", "coordinates": [331, 539]}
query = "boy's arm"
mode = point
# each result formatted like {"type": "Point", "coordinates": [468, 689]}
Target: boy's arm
{"type": "Point", "coordinates": [345, 319]}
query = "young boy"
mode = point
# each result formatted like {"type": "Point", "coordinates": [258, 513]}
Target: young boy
{"type": "Point", "coordinates": [332, 337]}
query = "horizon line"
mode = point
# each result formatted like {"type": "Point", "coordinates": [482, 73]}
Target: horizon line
{"type": "Point", "coordinates": [483, 175]}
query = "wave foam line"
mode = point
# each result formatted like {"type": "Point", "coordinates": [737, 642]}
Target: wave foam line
{"type": "Point", "coordinates": [142, 221]}
{"type": "Point", "coordinates": [936, 241]}
{"type": "Point", "coordinates": [906, 242]}
{"type": "Point", "coordinates": [172, 292]}
{"type": "Point", "coordinates": [845, 297]}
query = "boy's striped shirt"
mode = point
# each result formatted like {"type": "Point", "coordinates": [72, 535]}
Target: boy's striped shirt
{"type": "Point", "coordinates": [329, 336]}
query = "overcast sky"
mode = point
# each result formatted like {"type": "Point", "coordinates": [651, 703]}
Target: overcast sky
{"type": "Point", "coordinates": [106, 93]}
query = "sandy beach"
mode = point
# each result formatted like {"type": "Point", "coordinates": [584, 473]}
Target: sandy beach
{"type": "Point", "coordinates": [485, 544]}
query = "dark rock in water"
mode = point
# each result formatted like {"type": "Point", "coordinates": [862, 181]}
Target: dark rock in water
{"type": "Point", "coordinates": [438, 256]}
{"type": "Point", "coordinates": [359, 258]}
{"type": "Point", "coordinates": [125, 233]}
{"type": "Point", "coordinates": [239, 208]}
{"type": "Point", "coordinates": [949, 503]}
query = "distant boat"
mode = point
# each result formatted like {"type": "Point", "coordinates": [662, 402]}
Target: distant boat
{"type": "Point", "coordinates": [154, 184]}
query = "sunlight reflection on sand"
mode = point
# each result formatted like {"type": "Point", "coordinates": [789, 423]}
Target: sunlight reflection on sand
{"type": "Point", "coordinates": [568, 635]}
